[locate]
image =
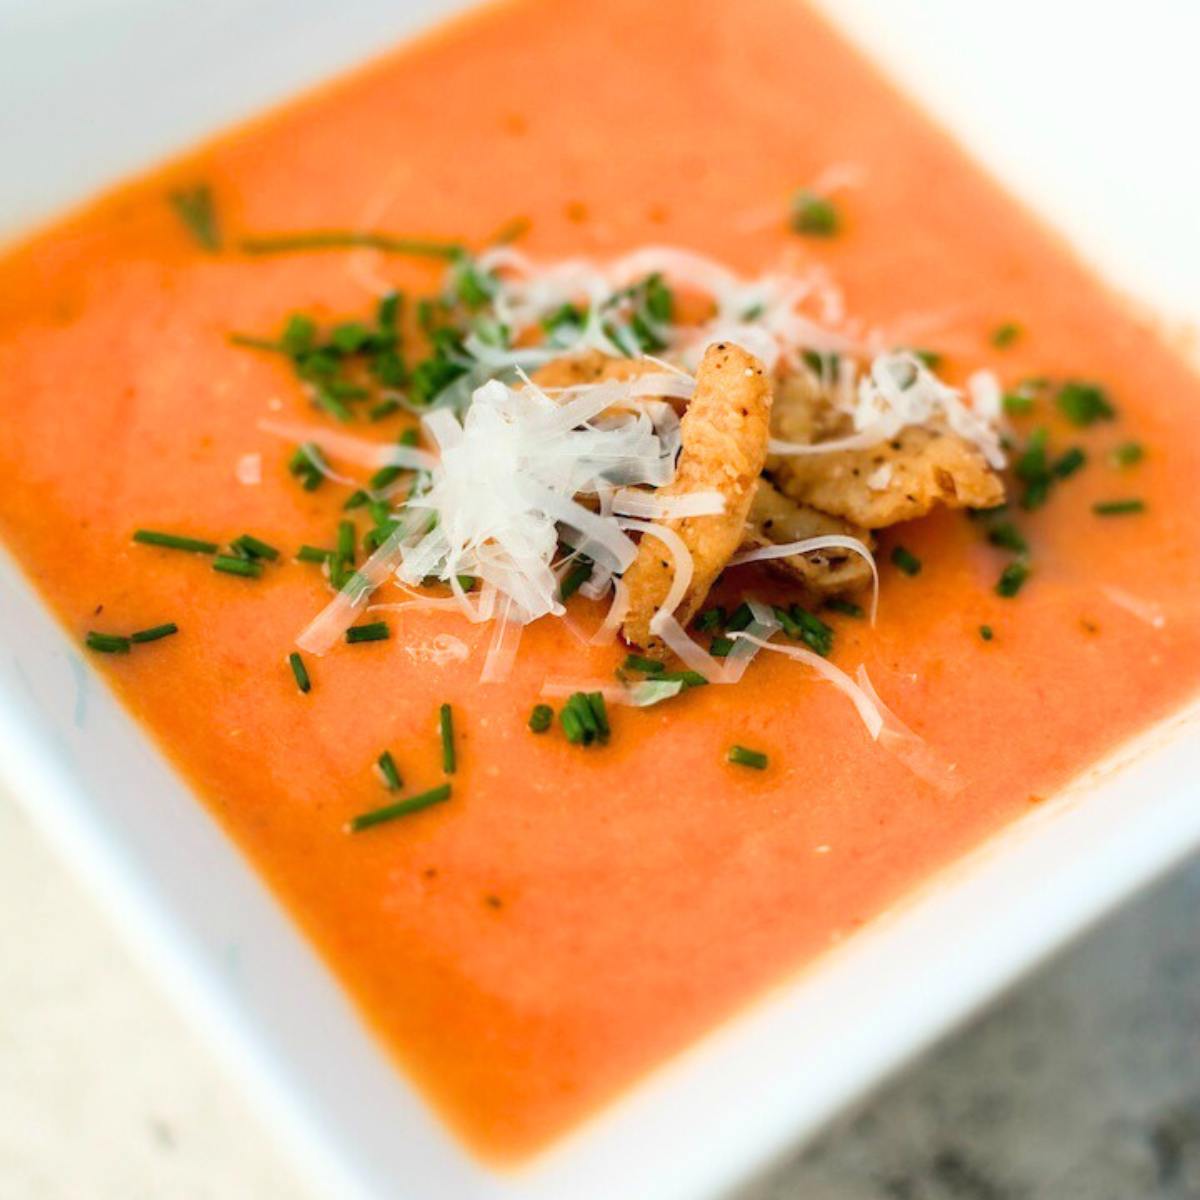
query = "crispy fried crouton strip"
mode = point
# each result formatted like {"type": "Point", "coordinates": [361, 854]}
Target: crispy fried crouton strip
{"type": "Point", "coordinates": [775, 519]}
{"type": "Point", "coordinates": [897, 480]}
{"type": "Point", "coordinates": [724, 434]}
{"type": "Point", "coordinates": [592, 366]}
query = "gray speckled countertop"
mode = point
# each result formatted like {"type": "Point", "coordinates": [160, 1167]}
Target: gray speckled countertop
{"type": "Point", "coordinates": [1083, 1084]}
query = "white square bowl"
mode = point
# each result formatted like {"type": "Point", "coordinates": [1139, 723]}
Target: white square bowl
{"type": "Point", "coordinates": [97, 88]}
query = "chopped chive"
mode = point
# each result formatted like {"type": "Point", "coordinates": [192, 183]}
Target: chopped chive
{"type": "Point", "coordinates": [846, 607]}
{"type": "Point", "coordinates": [541, 718]}
{"type": "Point", "coordinates": [154, 633]}
{"type": "Point", "coordinates": [195, 208]}
{"type": "Point", "coordinates": [172, 541]}
{"type": "Point", "coordinates": [324, 399]}
{"type": "Point", "coordinates": [648, 666]}
{"type": "Point", "coordinates": [1017, 404]}
{"type": "Point", "coordinates": [689, 679]}
{"type": "Point", "coordinates": [511, 230]}
{"type": "Point", "coordinates": [928, 358]}
{"type": "Point", "coordinates": [107, 643]}
{"type": "Point", "coordinates": [743, 757]}
{"type": "Point", "coordinates": [389, 771]}
{"type": "Point", "coordinates": [739, 619]}
{"type": "Point", "coordinates": [1008, 537]}
{"type": "Point", "coordinates": [1084, 403]}
{"type": "Point", "coordinates": [1004, 335]}
{"type": "Point", "coordinates": [986, 632]}
{"type": "Point", "coordinates": [1012, 578]}
{"type": "Point", "coordinates": [401, 808]}
{"type": "Point", "coordinates": [374, 631]}
{"type": "Point", "coordinates": [250, 342]}
{"type": "Point", "coordinates": [384, 408]}
{"type": "Point", "coordinates": [572, 726]}
{"type": "Point", "coordinates": [313, 554]}
{"type": "Point", "coordinates": [813, 214]}
{"type": "Point", "coordinates": [331, 239]}
{"type": "Point", "coordinates": [1070, 462]}
{"type": "Point", "coordinates": [720, 646]}
{"type": "Point", "coordinates": [710, 619]}
{"type": "Point", "coordinates": [446, 730]}
{"type": "Point", "coordinates": [906, 560]}
{"type": "Point", "coordinates": [1118, 508]}
{"type": "Point", "coordinates": [595, 701]}
{"type": "Point", "coordinates": [1127, 454]}
{"type": "Point", "coordinates": [345, 540]}
{"type": "Point", "coordinates": [255, 547]}
{"type": "Point", "coordinates": [250, 568]}
{"type": "Point", "coordinates": [356, 500]}
{"type": "Point", "coordinates": [574, 578]}
{"type": "Point", "coordinates": [580, 708]}
{"type": "Point", "coordinates": [299, 672]}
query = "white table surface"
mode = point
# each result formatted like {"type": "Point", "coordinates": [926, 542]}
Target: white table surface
{"type": "Point", "coordinates": [1083, 1084]}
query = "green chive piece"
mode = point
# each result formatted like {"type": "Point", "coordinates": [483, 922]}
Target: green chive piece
{"type": "Point", "coordinates": [1008, 537]}
{"type": "Point", "coordinates": [743, 757]}
{"type": "Point", "coordinates": [1012, 578]}
{"type": "Point", "coordinates": [1084, 403]}
{"type": "Point", "coordinates": [249, 568]}
{"type": "Point", "coordinates": [389, 771]}
{"type": "Point", "coordinates": [1070, 462]}
{"type": "Point", "coordinates": [332, 239]}
{"type": "Point", "coordinates": [299, 672]}
{"type": "Point", "coordinates": [720, 646]}
{"type": "Point", "coordinates": [595, 701]}
{"type": "Point", "coordinates": [256, 548]}
{"type": "Point", "coordinates": [906, 560]}
{"type": "Point", "coordinates": [172, 541]}
{"type": "Point", "coordinates": [1017, 404]}
{"type": "Point", "coordinates": [324, 399]}
{"type": "Point", "coordinates": [928, 358]}
{"type": "Point", "coordinates": [648, 666]}
{"type": "Point", "coordinates": [580, 706]}
{"type": "Point", "coordinates": [1004, 335]}
{"type": "Point", "coordinates": [846, 607]}
{"type": "Point", "coordinates": [572, 726]}
{"type": "Point", "coordinates": [313, 554]}
{"type": "Point", "coordinates": [154, 633]}
{"type": "Point", "coordinates": [195, 208]}
{"type": "Point", "coordinates": [574, 579]}
{"type": "Point", "coordinates": [739, 619]}
{"type": "Point", "coordinates": [813, 214]}
{"type": "Point", "coordinates": [402, 808]}
{"type": "Point", "coordinates": [374, 631]}
{"type": "Point", "coordinates": [107, 643]}
{"type": "Point", "coordinates": [689, 679]}
{"type": "Point", "coordinates": [710, 619]}
{"type": "Point", "coordinates": [384, 408]}
{"type": "Point", "coordinates": [446, 730]}
{"type": "Point", "coordinates": [1127, 454]}
{"type": "Point", "coordinates": [1119, 508]}
{"type": "Point", "coordinates": [985, 632]}
{"type": "Point", "coordinates": [345, 539]}
{"type": "Point", "coordinates": [541, 718]}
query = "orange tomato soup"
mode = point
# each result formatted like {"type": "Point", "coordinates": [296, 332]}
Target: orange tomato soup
{"type": "Point", "coordinates": [571, 917]}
